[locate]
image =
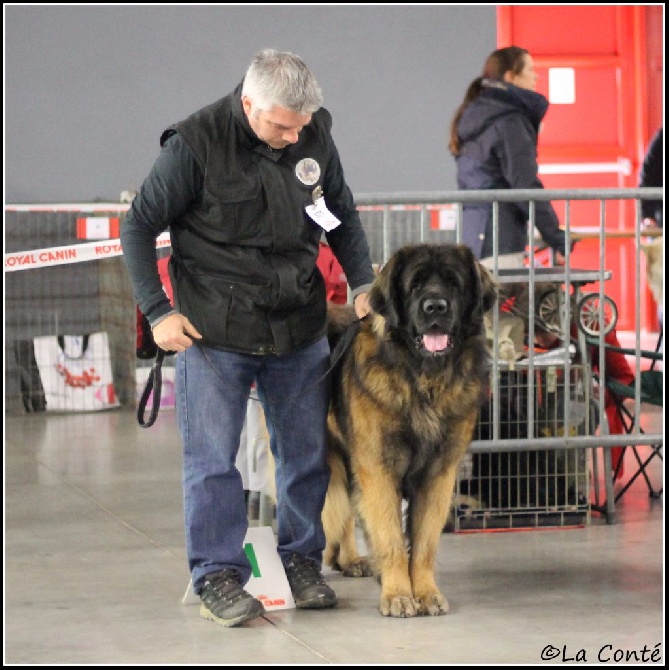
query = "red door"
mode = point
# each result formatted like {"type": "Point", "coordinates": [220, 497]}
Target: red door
{"type": "Point", "coordinates": [598, 67]}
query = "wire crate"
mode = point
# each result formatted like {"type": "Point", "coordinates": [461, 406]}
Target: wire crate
{"type": "Point", "coordinates": [529, 488]}
{"type": "Point", "coordinates": [69, 299]}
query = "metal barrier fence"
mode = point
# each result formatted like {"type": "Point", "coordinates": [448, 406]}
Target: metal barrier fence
{"type": "Point", "coordinates": [86, 297]}
{"type": "Point", "coordinates": [391, 221]}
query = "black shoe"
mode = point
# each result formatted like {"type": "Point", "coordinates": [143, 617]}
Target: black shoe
{"type": "Point", "coordinates": [307, 584]}
{"type": "Point", "coordinates": [225, 601]}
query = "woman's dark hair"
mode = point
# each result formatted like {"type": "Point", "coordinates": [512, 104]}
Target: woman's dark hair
{"type": "Point", "coordinates": [497, 64]}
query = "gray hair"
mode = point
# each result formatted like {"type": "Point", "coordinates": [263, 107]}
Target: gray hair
{"type": "Point", "coordinates": [282, 79]}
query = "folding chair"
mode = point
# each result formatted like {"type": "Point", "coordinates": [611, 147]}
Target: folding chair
{"type": "Point", "coordinates": [650, 383]}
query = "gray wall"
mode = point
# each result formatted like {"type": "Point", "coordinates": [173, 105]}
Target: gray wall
{"type": "Point", "coordinates": [89, 89]}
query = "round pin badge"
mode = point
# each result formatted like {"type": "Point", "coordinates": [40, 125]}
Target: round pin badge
{"type": "Point", "coordinates": [308, 171]}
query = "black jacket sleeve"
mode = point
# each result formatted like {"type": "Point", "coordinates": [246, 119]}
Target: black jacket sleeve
{"type": "Point", "coordinates": [173, 183]}
{"type": "Point", "coordinates": [348, 240]}
{"type": "Point", "coordinates": [651, 175]}
{"type": "Point", "coordinates": [518, 159]}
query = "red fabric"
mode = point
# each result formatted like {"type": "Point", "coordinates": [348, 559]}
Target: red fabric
{"type": "Point", "coordinates": [619, 369]}
{"type": "Point", "coordinates": [139, 330]}
{"type": "Point", "coordinates": [165, 277]}
{"type": "Point", "coordinates": [167, 287]}
{"type": "Point", "coordinates": [336, 286]}
{"type": "Point", "coordinates": [508, 305]}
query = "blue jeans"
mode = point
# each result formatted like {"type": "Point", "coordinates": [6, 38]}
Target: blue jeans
{"type": "Point", "coordinates": [212, 392]}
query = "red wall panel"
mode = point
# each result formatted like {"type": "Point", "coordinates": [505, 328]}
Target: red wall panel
{"type": "Point", "coordinates": [560, 30]}
{"type": "Point", "coordinates": [593, 120]}
{"type": "Point", "coordinates": [600, 139]}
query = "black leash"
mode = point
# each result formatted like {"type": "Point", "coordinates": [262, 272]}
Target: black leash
{"type": "Point", "coordinates": [343, 343]}
{"type": "Point", "coordinates": [155, 380]}
{"type": "Point", "coordinates": [153, 383]}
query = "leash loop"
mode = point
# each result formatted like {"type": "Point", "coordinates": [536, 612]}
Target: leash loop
{"type": "Point", "coordinates": [153, 383]}
{"type": "Point", "coordinates": [155, 380]}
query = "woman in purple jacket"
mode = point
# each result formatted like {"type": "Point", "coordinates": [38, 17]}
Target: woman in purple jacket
{"type": "Point", "coordinates": [494, 142]}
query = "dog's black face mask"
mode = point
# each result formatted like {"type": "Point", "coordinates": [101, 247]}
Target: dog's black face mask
{"type": "Point", "coordinates": [434, 303]}
{"type": "Point", "coordinates": [431, 295]}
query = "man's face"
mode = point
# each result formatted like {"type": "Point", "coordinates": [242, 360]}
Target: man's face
{"type": "Point", "coordinates": [277, 127]}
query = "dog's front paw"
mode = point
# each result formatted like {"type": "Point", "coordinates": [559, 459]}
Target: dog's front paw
{"type": "Point", "coordinates": [358, 568]}
{"type": "Point", "coordinates": [432, 604]}
{"type": "Point", "coordinates": [398, 606]}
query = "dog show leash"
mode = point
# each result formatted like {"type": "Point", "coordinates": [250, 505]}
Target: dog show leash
{"type": "Point", "coordinates": [154, 382]}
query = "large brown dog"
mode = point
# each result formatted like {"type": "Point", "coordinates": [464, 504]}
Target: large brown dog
{"type": "Point", "coordinates": [405, 399]}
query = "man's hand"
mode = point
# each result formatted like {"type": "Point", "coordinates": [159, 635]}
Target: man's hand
{"type": "Point", "coordinates": [361, 304]}
{"type": "Point", "coordinates": [559, 258]}
{"type": "Point", "coordinates": [175, 333]}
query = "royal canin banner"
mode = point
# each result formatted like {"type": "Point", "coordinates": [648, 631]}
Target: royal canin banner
{"type": "Point", "coordinates": [71, 253]}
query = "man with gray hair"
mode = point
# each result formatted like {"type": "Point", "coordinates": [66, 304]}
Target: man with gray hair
{"type": "Point", "coordinates": [246, 186]}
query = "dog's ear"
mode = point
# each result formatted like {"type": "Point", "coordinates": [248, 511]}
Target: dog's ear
{"type": "Point", "coordinates": [384, 298]}
{"type": "Point", "coordinates": [488, 287]}
{"type": "Point", "coordinates": [486, 290]}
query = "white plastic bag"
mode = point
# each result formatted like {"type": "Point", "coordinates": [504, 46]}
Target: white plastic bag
{"type": "Point", "coordinates": [76, 372]}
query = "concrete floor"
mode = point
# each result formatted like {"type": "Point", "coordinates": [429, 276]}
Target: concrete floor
{"type": "Point", "coordinates": [95, 571]}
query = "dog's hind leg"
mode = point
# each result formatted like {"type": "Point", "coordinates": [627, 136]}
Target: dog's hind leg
{"type": "Point", "coordinates": [341, 551]}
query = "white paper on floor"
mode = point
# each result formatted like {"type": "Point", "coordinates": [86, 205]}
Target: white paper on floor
{"type": "Point", "coordinates": [268, 582]}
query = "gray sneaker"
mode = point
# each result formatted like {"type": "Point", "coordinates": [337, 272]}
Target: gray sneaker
{"type": "Point", "coordinates": [307, 584]}
{"type": "Point", "coordinates": [225, 601]}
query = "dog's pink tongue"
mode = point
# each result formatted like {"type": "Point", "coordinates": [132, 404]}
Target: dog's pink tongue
{"type": "Point", "coordinates": [435, 342]}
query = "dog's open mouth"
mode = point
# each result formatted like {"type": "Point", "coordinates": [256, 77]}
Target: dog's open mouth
{"type": "Point", "coordinates": [435, 343]}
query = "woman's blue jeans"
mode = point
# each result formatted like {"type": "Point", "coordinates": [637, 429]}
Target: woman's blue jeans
{"type": "Point", "coordinates": [212, 392]}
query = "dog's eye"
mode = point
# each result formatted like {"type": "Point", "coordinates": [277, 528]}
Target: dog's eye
{"type": "Point", "coordinates": [417, 280]}
{"type": "Point", "coordinates": [454, 281]}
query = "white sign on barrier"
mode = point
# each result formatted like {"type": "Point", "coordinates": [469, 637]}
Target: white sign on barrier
{"type": "Point", "coordinates": [268, 582]}
{"type": "Point", "coordinates": [71, 253]}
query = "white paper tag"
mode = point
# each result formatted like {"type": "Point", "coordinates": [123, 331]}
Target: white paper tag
{"type": "Point", "coordinates": [322, 215]}
{"type": "Point", "coordinates": [268, 582]}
